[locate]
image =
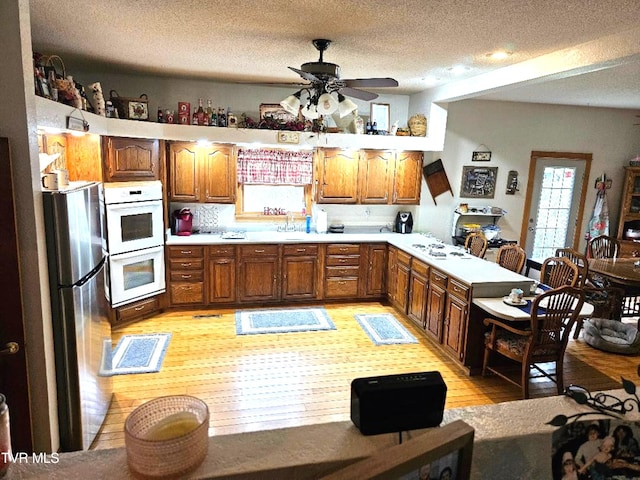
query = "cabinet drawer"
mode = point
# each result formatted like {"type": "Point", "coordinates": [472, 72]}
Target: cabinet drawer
{"type": "Point", "coordinates": [300, 249]}
{"type": "Point", "coordinates": [186, 264]}
{"type": "Point", "coordinates": [458, 289]}
{"type": "Point", "coordinates": [420, 268]}
{"type": "Point", "coordinates": [138, 309]}
{"type": "Point", "coordinates": [404, 258]}
{"type": "Point", "coordinates": [253, 250]}
{"type": "Point", "coordinates": [222, 250]}
{"type": "Point", "coordinates": [341, 287]}
{"type": "Point", "coordinates": [341, 271]}
{"type": "Point", "coordinates": [343, 249]}
{"type": "Point", "coordinates": [185, 293]}
{"type": "Point", "coordinates": [187, 276]}
{"type": "Point", "coordinates": [438, 278]}
{"type": "Point", "coordinates": [333, 260]}
{"type": "Point", "coordinates": [186, 251]}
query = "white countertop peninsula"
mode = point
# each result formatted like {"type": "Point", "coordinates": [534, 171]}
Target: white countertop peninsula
{"type": "Point", "coordinates": [487, 278]}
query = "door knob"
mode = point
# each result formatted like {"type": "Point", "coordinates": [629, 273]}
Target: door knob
{"type": "Point", "coordinates": [10, 348]}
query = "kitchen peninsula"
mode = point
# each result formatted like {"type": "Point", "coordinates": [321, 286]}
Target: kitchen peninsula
{"type": "Point", "coordinates": [432, 283]}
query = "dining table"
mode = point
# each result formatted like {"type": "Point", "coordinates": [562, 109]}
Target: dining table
{"type": "Point", "coordinates": [623, 272]}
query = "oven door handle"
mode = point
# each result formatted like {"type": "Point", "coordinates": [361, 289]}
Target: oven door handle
{"type": "Point", "coordinates": [137, 253]}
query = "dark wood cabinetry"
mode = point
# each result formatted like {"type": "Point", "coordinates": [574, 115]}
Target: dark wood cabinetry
{"type": "Point", "coordinates": [300, 272]}
{"type": "Point", "coordinates": [407, 178]}
{"type": "Point", "coordinates": [436, 303]}
{"type": "Point", "coordinates": [258, 273]}
{"type": "Point", "coordinates": [135, 311]}
{"type": "Point", "coordinates": [131, 159]}
{"type": "Point", "coordinates": [222, 274]}
{"type": "Point", "coordinates": [455, 318]}
{"type": "Point", "coordinates": [629, 213]}
{"type": "Point", "coordinates": [186, 275]}
{"type": "Point", "coordinates": [337, 173]}
{"type": "Point", "coordinates": [342, 264]}
{"type": "Point", "coordinates": [202, 173]}
{"type": "Point", "coordinates": [374, 270]}
{"type": "Point", "coordinates": [398, 270]}
{"type": "Point", "coordinates": [376, 176]}
{"type": "Point", "coordinates": [418, 290]}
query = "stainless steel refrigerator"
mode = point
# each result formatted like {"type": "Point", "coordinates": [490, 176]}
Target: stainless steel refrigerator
{"type": "Point", "coordinates": [80, 311]}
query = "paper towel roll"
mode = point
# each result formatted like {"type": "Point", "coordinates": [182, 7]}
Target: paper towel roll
{"type": "Point", "coordinates": [321, 221]}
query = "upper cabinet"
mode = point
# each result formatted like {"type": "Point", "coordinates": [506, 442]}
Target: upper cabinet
{"type": "Point", "coordinates": [130, 159]}
{"type": "Point", "coordinates": [369, 177]}
{"type": "Point", "coordinates": [629, 224]}
{"type": "Point", "coordinates": [202, 173]}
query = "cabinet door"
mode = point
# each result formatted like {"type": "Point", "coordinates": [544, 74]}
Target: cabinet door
{"type": "Point", "coordinates": [435, 311]}
{"type": "Point", "coordinates": [299, 278]}
{"type": "Point", "coordinates": [392, 268]}
{"type": "Point", "coordinates": [629, 213]}
{"type": "Point", "coordinates": [183, 172]}
{"type": "Point", "coordinates": [222, 280]}
{"type": "Point", "coordinates": [130, 159]}
{"type": "Point", "coordinates": [376, 174]}
{"type": "Point", "coordinates": [219, 174]}
{"type": "Point", "coordinates": [402, 287]}
{"type": "Point", "coordinates": [258, 279]}
{"type": "Point", "coordinates": [407, 179]}
{"type": "Point", "coordinates": [337, 176]}
{"type": "Point", "coordinates": [455, 326]}
{"type": "Point", "coordinates": [417, 305]}
{"type": "Point", "coordinates": [374, 283]}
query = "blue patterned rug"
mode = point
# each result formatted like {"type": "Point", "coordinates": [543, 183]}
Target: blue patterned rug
{"type": "Point", "coordinates": [283, 320]}
{"type": "Point", "coordinates": [384, 329]}
{"type": "Point", "coordinates": [137, 354]}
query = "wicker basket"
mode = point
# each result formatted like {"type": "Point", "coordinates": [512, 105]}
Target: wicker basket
{"type": "Point", "coordinates": [418, 125]}
{"type": "Point", "coordinates": [130, 108]}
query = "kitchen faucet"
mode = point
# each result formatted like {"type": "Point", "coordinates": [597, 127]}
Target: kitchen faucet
{"type": "Point", "coordinates": [288, 227]}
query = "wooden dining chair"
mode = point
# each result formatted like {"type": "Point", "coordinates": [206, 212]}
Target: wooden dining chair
{"type": "Point", "coordinates": [580, 260]}
{"type": "Point", "coordinates": [603, 246]}
{"type": "Point", "coordinates": [512, 257]}
{"type": "Point", "coordinates": [543, 340]}
{"type": "Point", "coordinates": [476, 244]}
{"type": "Point", "coordinates": [559, 271]}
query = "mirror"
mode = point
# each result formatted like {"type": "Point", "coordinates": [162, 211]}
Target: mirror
{"type": "Point", "coordinates": [380, 115]}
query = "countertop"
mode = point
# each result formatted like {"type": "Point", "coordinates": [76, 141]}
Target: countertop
{"type": "Point", "coordinates": [487, 278]}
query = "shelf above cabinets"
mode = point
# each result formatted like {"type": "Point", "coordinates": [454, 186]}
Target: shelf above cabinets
{"type": "Point", "coordinates": [54, 115]}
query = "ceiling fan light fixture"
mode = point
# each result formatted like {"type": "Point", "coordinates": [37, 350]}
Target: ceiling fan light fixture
{"type": "Point", "coordinates": [310, 111]}
{"type": "Point", "coordinates": [327, 104]}
{"type": "Point", "coordinates": [345, 106]}
{"type": "Point", "coordinates": [292, 103]}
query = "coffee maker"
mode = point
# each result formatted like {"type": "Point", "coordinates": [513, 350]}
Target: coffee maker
{"type": "Point", "coordinates": [182, 222]}
{"type": "Point", "coordinates": [404, 222]}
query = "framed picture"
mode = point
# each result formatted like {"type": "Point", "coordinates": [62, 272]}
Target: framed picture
{"type": "Point", "coordinates": [478, 182]}
{"type": "Point", "coordinates": [443, 452]}
{"type": "Point", "coordinates": [275, 111]}
{"type": "Point", "coordinates": [481, 156]}
{"type": "Point", "coordinates": [380, 115]}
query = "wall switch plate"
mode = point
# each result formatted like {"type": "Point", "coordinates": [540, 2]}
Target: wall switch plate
{"type": "Point", "coordinates": [288, 137]}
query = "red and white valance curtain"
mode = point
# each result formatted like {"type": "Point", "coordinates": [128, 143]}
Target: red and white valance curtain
{"type": "Point", "coordinates": [275, 167]}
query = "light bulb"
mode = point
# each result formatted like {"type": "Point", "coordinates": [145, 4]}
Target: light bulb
{"type": "Point", "coordinates": [327, 104]}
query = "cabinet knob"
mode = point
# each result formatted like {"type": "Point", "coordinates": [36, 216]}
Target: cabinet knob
{"type": "Point", "coordinates": [186, 276]}
{"type": "Point", "coordinates": [186, 264]}
{"type": "Point", "coordinates": [141, 307]}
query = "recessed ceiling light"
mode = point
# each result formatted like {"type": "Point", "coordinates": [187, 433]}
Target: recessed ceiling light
{"type": "Point", "coordinates": [499, 55]}
{"type": "Point", "coordinates": [458, 69]}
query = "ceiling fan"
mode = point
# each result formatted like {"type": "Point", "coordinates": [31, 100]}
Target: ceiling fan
{"type": "Point", "coordinates": [324, 80]}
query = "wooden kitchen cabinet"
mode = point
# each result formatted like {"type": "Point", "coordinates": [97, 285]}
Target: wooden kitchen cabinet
{"type": "Point", "coordinates": [342, 265]}
{"type": "Point", "coordinates": [455, 324]}
{"type": "Point", "coordinates": [131, 159]}
{"type": "Point", "coordinates": [374, 270]}
{"type": "Point", "coordinates": [202, 173]}
{"type": "Point", "coordinates": [398, 270]}
{"type": "Point", "coordinates": [222, 274]}
{"type": "Point", "coordinates": [300, 272]}
{"type": "Point", "coordinates": [436, 304]}
{"type": "Point", "coordinates": [337, 174]}
{"type": "Point", "coordinates": [376, 176]}
{"type": "Point", "coordinates": [407, 179]}
{"type": "Point", "coordinates": [629, 213]}
{"type": "Point", "coordinates": [418, 291]}
{"type": "Point", "coordinates": [186, 275]}
{"type": "Point", "coordinates": [258, 273]}
{"type": "Point", "coordinates": [135, 311]}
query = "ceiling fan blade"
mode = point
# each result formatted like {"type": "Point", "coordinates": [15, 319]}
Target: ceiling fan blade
{"type": "Point", "coordinates": [361, 94]}
{"type": "Point", "coordinates": [306, 75]}
{"type": "Point", "coordinates": [371, 82]}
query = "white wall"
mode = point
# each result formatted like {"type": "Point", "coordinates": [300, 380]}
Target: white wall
{"type": "Point", "coordinates": [511, 131]}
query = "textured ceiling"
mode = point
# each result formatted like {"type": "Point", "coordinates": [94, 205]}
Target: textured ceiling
{"type": "Point", "coordinates": [251, 41]}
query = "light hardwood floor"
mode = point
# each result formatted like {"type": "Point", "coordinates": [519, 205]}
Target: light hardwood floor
{"type": "Point", "coordinates": [260, 382]}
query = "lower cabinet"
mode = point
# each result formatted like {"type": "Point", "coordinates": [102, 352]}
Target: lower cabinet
{"type": "Point", "coordinates": [455, 323]}
{"type": "Point", "coordinates": [186, 275]}
{"type": "Point", "coordinates": [222, 274]}
{"type": "Point", "coordinates": [373, 269]}
{"type": "Point", "coordinates": [398, 270]}
{"type": "Point", "coordinates": [300, 272]}
{"type": "Point", "coordinates": [342, 265]}
{"type": "Point", "coordinates": [436, 303]}
{"type": "Point", "coordinates": [136, 311]}
{"type": "Point", "coordinates": [258, 273]}
{"type": "Point", "coordinates": [418, 291]}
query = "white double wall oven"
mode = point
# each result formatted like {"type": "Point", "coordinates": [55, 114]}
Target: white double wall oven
{"type": "Point", "coordinates": [135, 240]}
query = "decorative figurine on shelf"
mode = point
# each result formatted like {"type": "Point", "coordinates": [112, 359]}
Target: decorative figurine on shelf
{"type": "Point", "coordinates": [98, 98]}
{"type": "Point", "coordinates": [418, 125]}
